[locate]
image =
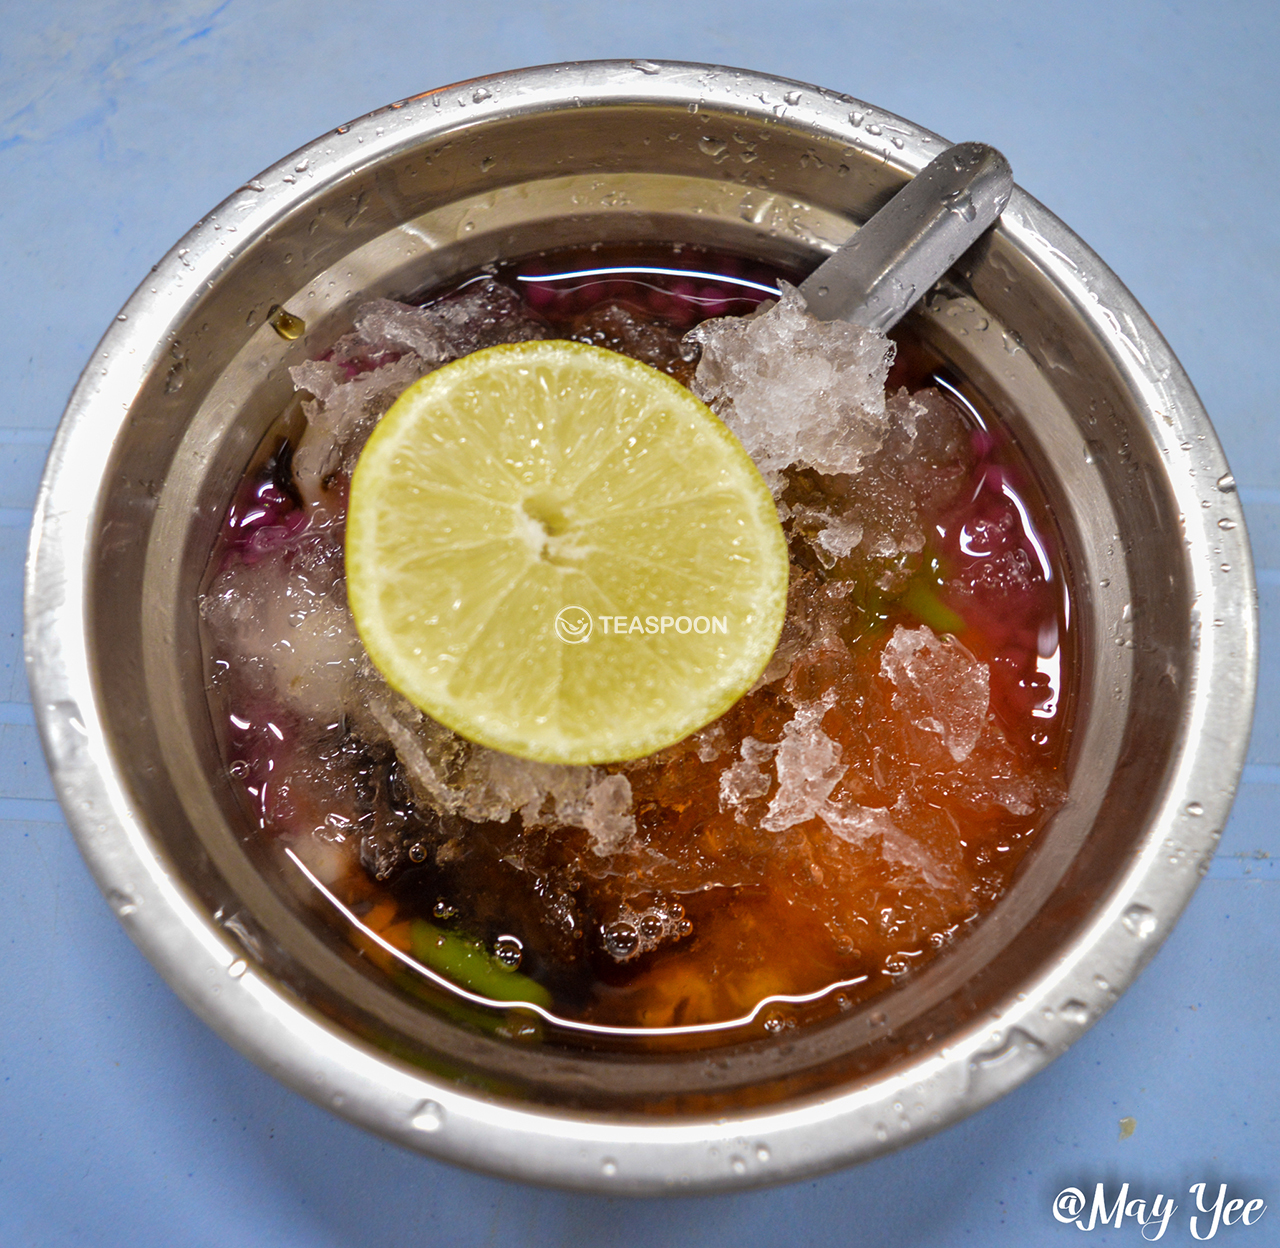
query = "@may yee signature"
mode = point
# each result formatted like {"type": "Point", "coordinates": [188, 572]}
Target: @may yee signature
{"type": "Point", "coordinates": [575, 625]}
{"type": "Point", "coordinates": [1205, 1214]}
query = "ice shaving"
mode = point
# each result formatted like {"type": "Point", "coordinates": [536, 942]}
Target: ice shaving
{"type": "Point", "coordinates": [859, 809]}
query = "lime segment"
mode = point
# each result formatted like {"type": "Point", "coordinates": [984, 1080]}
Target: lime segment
{"type": "Point", "coordinates": [561, 553]}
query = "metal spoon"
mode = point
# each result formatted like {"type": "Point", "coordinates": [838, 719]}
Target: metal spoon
{"type": "Point", "coordinates": [875, 277]}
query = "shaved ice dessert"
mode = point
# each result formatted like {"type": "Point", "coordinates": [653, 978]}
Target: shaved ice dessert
{"type": "Point", "coordinates": [849, 818]}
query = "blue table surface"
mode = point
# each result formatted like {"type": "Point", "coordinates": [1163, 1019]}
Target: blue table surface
{"type": "Point", "coordinates": [1148, 126]}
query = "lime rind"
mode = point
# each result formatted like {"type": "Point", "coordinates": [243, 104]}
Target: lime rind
{"type": "Point", "coordinates": [529, 478]}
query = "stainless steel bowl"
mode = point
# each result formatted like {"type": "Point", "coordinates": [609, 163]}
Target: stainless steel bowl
{"type": "Point", "coordinates": [183, 386]}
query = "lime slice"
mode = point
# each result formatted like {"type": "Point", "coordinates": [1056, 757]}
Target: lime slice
{"type": "Point", "coordinates": [561, 553]}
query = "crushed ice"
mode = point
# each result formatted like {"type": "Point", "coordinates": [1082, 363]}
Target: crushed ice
{"type": "Point", "coordinates": [795, 390]}
{"type": "Point", "coordinates": [941, 687]}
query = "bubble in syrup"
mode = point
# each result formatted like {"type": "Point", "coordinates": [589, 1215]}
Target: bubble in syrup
{"type": "Point", "coordinates": [508, 950]}
{"type": "Point", "coordinates": [621, 940]}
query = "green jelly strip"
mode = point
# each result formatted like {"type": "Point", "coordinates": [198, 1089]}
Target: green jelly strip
{"type": "Point", "coordinates": [923, 602]}
{"type": "Point", "coordinates": [468, 963]}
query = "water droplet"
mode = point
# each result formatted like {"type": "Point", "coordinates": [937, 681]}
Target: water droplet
{"type": "Point", "coordinates": [487, 163]}
{"type": "Point", "coordinates": [1225, 523]}
{"type": "Point", "coordinates": [961, 203]}
{"type": "Point", "coordinates": [237, 968]}
{"type": "Point", "coordinates": [882, 1132]}
{"type": "Point", "coordinates": [255, 185]}
{"type": "Point", "coordinates": [1227, 483]}
{"type": "Point", "coordinates": [288, 326]}
{"type": "Point", "coordinates": [1140, 921]}
{"type": "Point", "coordinates": [762, 1152]}
{"type": "Point", "coordinates": [875, 130]}
{"type": "Point", "coordinates": [122, 317]}
{"type": "Point", "coordinates": [608, 1167]}
{"type": "Point", "coordinates": [1075, 1012]}
{"type": "Point", "coordinates": [856, 117]}
{"type": "Point", "coordinates": [443, 910]}
{"type": "Point", "coordinates": [737, 1165]}
{"type": "Point", "coordinates": [897, 142]}
{"type": "Point", "coordinates": [1103, 985]}
{"type": "Point", "coordinates": [878, 1019]}
{"type": "Point", "coordinates": [480, 95]}
{"type": "Point", "coordinates": [429, 1116]}
{"type": "Point", "coordinates": [646, 67]}
{"type": "Point", "coordinates": [338, 1100]}
{"type": "Point", "coordinates": [300, 167]}
{"type": "Point", "coordinates": [792, 97]}
{"type": "Point", "coordinates": [122, 903]}
{"type": "Point", "coordinates": [1194, 809]}
{"type": "Point", "coordinates": [418, 852]}
{"type": "Point", "coordinates": [508, 950]}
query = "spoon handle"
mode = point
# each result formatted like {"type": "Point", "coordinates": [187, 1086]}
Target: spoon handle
{"type": "Point", "coordinates": [875, 277]}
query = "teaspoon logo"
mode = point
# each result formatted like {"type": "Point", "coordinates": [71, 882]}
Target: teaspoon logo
{"type": "Point", "coordinates": [573, 625]}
